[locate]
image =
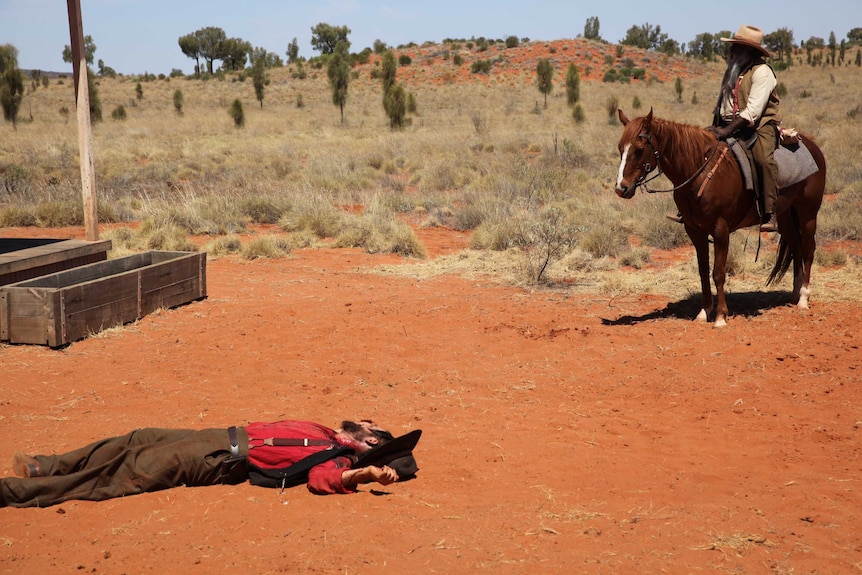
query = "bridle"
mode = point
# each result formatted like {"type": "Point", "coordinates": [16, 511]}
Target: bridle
{"type": "Point", "coordinates": [647, 167]}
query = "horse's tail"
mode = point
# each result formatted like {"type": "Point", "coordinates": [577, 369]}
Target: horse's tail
{"type": "Point", "coordinates": [785, 254]}
{"type": "Point", "coordinates": [782, 263]}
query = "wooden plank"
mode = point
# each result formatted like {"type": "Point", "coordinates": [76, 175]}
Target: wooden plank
{"type": "Point", "coordinates": [173, 282]}
{"type": "Point", "coordinates": [92, 307]}
{"type": "Point", "coordinates": [38, 260]}
{"type": "Point", "coordinates": [66, 306]}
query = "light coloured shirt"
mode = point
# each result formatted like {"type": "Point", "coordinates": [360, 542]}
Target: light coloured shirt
{"type": "Point", "coordinates": [762, 84]}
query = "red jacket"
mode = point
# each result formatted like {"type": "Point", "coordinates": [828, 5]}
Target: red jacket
{"type": "Point", "coordinates": [322, 479]}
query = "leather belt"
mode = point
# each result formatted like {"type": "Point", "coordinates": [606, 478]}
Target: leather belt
{"type": "Point", "coordinates": [234, 441]}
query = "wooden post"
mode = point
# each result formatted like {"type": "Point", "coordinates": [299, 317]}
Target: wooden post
{"type": "Point", "coordinates": [85, 133]}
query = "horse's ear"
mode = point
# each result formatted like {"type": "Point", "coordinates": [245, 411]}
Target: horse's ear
{"type": "Point", "coordinates": [623, 118]}
{"type": "Point", "coordinates": [648, 120]}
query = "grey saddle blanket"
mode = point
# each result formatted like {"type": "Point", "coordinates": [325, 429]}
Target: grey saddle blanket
{"type": "Point", "coordinates": [795, 163]}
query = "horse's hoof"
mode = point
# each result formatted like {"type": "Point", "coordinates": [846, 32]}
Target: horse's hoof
{"type": "Point", "coordinates": [702, 316]}
{"type": "Point", "coordinates": [719, 323]}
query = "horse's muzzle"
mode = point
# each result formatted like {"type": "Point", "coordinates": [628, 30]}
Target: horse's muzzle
{"type": "Point", "coordinates": [626, 192]}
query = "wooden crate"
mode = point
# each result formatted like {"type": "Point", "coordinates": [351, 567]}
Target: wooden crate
{"type": "Point", "coordinates": [63, 307]}
{"type": "Point", "coordinates": [22, 259]}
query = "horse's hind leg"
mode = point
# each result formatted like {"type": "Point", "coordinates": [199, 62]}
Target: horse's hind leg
{"type": "Point", "coordinates": [802, 262]}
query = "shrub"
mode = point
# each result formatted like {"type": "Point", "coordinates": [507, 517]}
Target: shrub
{"type": "Point", "coordinates": [237, 114]}
{"type": "Point", "coordinates": [481, 67]}
{"type": "Point", "coordinates": [266, 247]}
{"type": "Point", "coordinates": [612, 104]}
{"type": "Point", "coordinates": [224, 245]}
{"type": "Point", "coordinates": [119, 113]}
{"type": "Point", "coordinates": [611, 75]}
{"type": "Point", "coordinates": [404, 60]}
{"type": "Point", "coordinates": [578, 114]}
{"type": "Point", "coordinates": [512, 42]}
{"type": "Point", "coordinates": [178, 101]}
{"type": "Point", "coordinates": [59, 214]}
{"type": "Point", "coordinates": [260, 210]}
{"type": "Point", "coordinates": [15, 179]}
{"type": "Point", "coordinates": [604, 240]}
{"type": "Point", "coordinates": [16, 217]}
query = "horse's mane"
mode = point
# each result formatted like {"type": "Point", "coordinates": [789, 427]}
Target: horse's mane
{"type": "Point", "coordinates": [687, 145]}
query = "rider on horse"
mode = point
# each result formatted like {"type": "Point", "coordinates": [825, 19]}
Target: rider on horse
{"type": "Point", "coordinates": [748, 105]}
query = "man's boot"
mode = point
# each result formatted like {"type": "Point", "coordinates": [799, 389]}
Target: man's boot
{"type": "Point", "coordinates": [770, 223]}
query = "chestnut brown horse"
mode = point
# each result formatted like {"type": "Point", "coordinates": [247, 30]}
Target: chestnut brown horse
{"type": "Point", "coordinates": [711, 195]}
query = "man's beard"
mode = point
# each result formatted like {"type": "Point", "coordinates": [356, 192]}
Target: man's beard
{"type": "Point", "coordinates": [738, 61]}
{"type": "Point", "coordinates": [354, 429]}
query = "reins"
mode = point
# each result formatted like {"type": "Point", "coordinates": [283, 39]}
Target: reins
{"type": "Point", "coordinates": [647, 168]}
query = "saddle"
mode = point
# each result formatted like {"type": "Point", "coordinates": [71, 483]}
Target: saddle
{"type": "Point", "coordinates": [794, 160]}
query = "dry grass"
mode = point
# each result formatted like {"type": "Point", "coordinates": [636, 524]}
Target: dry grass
{"type": "Point", "coordinates": [476, 157]}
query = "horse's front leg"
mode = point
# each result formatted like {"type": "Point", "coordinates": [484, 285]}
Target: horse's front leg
{"type": "Point", "coordinates": [721, 238]}
{"type": "Point", "coordinates": [700, 240]}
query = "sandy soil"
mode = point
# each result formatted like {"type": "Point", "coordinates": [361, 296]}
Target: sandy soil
{"type": "Point", "coordinates": [561, 434]}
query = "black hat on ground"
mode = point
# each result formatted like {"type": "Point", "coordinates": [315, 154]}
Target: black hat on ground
{"type": "Point", "coordinates": [397, 454]}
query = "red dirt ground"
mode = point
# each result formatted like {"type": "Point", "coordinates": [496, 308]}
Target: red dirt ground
{"type": "Point", "coordinates": [561, 434]}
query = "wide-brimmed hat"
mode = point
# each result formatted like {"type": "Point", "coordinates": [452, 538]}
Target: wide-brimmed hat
{"type": "Point", "coordinates": [397, 454]}
{"type": "Point", "coordinates": [750, 36]}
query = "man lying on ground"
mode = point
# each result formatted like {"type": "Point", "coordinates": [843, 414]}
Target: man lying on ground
{"type": "Point", "coordinates": [280, 454]}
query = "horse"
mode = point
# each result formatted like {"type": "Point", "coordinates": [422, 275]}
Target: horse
{"type": "Point", "coordinates": [710, 193]}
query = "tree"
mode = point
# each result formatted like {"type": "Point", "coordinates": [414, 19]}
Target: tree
{"type": "Point", "coordinates": [388, 70]}
{"type": "Point", "coordinates": [258, 76]}
{"type": "Point", "coordinates": [325, 37]}
{"type": "Point", "coordinates": [89, 55]}
{"type": "Point", "coordinates": [395, 104]}
{"type": "Point", "coordinates": [781, 42]}
{"type": "Point", "coordinates": [89, 51]}
{"type": "Point", "coordinates": [95, 101]}
{"type": "Point", "coordinates": [379, 46]}
{"type": "Point", "coordinates": [206, 43]}
{"type": "Point", "coordinates": [190, 45]}
{"type": "Point", "coordinates": [545, 78]}
{"type": "Point", "coordinates": [106, 71]}
{"type": "Point", "coordinates": [338, 72]}
{"type": "Point", "coordinates": [678, 89]}
{"type": "Point", "coordinates": [703, 46]}
{"type": "Point", "coordinates": [669, 46]}
{"type": "Point", "coordinates": [855, 35]}
{"type": "Point", "coordinates": [645, 36]}
{"type": "Point", "coordinates": [270, 59]}
{"type": "Point", "coordinates": [234, 53]}
{"type": "Point", "coordinates": [11, 84]}
{"type": "Point", "coordinates": [573, 85]}
{"type": "Point", "coordinates": [591, 28]}
{"type": "Point", "coordinates": [833, 46]}
{"type": "Point", "coordinates": [292, 51]}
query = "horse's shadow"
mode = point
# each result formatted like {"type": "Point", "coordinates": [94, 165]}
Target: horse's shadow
{"type": "Point", "coordinates": [745, 304]}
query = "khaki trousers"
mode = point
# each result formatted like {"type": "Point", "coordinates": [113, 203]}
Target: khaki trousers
{"type": "Point", "coordinates": [764, 156]}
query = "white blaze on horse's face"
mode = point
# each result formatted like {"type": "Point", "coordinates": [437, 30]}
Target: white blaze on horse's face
{"type": "Point", "coordinates": [623, 161]}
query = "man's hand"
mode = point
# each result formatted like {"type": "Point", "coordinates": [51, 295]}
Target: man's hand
{"type": "Point", "coordinates": [728, 130]}
{"type": "Point", "coordinates": [382, 475]}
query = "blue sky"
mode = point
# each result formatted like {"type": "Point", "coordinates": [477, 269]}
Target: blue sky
{"type": "Point", "coordinates": [141, 36]}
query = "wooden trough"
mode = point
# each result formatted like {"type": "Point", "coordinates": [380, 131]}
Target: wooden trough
{"type": "Point", "coordinates": [23, 259]}
{"type": "Point", "coordinates": [66, 306]}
